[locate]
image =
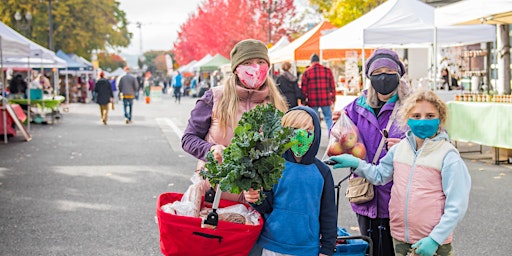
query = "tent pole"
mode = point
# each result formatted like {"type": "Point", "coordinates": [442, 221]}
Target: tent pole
{"type": "Point", "coordinates": [434, 59]}
{"type": "Point", "coordinates": [4, 100]}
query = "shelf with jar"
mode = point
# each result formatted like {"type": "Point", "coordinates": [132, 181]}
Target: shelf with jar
{"type": "Point", "coordinates": [480, 97]}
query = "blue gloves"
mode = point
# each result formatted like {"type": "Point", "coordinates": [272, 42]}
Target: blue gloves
{"type": "Point", "coordinates": [345, 160]}
{"type": "Point", "coordinates": [426, 246]}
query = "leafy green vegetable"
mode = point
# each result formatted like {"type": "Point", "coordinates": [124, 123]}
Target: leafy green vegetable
{"type": "Point", "coordinates": [254, 157]}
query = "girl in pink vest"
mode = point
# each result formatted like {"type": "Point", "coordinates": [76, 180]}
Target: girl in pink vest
{"type": "Point", "coordinates": [431, 186]}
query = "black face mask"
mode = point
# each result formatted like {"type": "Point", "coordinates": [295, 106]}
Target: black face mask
{"type": "Point", "coordinates": [385, 83]}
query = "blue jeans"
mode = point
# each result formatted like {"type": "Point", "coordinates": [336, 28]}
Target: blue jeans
{"type": "Point", "coordinates": [327, 113]}
{"type": "Point", "coordinates": [128, 105]}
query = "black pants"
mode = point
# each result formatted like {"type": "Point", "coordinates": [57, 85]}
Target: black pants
{"type": "Point", "coordinates": [378, 230]}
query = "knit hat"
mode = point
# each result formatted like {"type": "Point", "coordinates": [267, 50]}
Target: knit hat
{"type": "Point", "coordinates": [315, 58]}
{"type": "Point", "coordinates": [248, 49]}
{"type": "Point", "coordinates": [384, 58]}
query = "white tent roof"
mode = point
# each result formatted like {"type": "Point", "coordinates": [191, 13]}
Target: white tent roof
{"type": "Point", "coordinates": [10, 47]}
{"type": "Point", "coordinates": [38, 54]}
{"type": "Point", "coordinates": [287, 52]}
{"type": "Point", "coordinates": [475, 12]}
{"type": "Point", "coordinates": [198, 64]}
{"type": "Point", "coordinates": [399, 23]}
{"type": "Point", "coordinates": [280, 44]}
{"type": "Point", "coordinates": [187, 67]}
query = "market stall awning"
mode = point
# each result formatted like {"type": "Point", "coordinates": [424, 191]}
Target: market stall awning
{"type": "Point", "coordinates": [301, 49]}
{"type": "Point", "coordinates": [475, 12]}
{"type": "Point", "coordinates": [214, 63]}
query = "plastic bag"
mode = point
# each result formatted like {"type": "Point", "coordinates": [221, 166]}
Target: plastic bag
{"type": "Point", "coordinates": [344, 139]}
{"type": "Point", "coordinates": [190, 203]}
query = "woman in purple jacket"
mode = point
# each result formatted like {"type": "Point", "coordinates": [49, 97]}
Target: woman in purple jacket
{"type": "Point", "coordinates": [371, 113]}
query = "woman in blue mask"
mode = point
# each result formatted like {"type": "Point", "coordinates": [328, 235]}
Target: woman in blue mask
{"type": "Point", "coordinates": [431, 187]}
{"type": "Point", "coordinates": [371, 112]}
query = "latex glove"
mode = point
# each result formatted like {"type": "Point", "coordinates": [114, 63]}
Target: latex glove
{"type": "Point", "coordinates": [345, 160]}
{"type": "Point", "coordinates": [426, 246]}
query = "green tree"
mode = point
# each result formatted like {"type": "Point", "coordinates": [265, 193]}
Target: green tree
{"type": "Point", "coordinates": [79, 26]}
{"type": "Point", "coordinates": [110, 61]}
{"type": "Point", "coordinates": [342, 12]}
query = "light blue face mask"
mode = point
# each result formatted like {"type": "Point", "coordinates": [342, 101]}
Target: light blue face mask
{"type": "Point", "coordinates": [424, 128]}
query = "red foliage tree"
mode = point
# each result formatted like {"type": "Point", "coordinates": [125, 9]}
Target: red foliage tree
{"type": "Point", "coordinates": [219, 24]}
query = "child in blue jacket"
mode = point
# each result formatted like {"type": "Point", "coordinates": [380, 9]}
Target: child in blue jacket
{"type": "Point", "coordinates": [300, 210]}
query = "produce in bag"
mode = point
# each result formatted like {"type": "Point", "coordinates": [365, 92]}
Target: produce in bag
{"type": "Point", "coordinates": [344, 139]}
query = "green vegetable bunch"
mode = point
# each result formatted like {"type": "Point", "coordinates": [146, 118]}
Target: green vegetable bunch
{"type": "Point", "coordinates": [254, 157]}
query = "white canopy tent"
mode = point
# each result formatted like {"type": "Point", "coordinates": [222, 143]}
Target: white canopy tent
{"type": "Point", "coordinates": [404, 24]}
{"type": "Point", "coordinates": [9, 47]}
{"type": "Point", "coordinates": [39, 56]}
{"type": "Point", "coordinates": [198, 64]}
{"type": "Point", "coordinates": [280, 44]}
{"type": "Point", "coordinates": [475, 12]}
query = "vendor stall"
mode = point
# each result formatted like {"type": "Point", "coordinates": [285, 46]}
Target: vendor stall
{"type": "Point", "coordinates": [48, 105]}
{"type": "Point", "coordinates": [485, 123]}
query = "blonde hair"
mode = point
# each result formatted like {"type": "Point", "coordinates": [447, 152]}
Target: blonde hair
{"type": "Point", "coordinates": [419, 96]}
{"type": "Point", "coordinates": [227, 108]}
{"type": "Point", "coordinates": [298, 119]}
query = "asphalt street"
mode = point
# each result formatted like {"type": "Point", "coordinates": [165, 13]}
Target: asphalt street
{"type": "Point", "coordinates": [83, 188]}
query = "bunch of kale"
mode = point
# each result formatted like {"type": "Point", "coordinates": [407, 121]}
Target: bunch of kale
{"type": "Point", "coordinates": [254, 157]}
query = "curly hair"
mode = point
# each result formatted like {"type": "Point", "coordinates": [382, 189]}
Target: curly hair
{"type": "Point", "coordinates": [419, 96]}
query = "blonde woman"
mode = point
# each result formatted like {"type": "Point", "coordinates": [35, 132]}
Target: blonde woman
{"type": "Point", "coordinates": [216, 114]}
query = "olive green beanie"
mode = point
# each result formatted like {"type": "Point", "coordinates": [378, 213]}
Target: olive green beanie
{"type": "Point", "coordinates": [248, 49]}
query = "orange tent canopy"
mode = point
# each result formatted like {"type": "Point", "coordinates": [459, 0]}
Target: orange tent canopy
{"type": "Point", "coordinates": [303, 47]}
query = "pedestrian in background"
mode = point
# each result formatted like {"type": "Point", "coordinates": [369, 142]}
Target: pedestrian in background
{"type": "Point", "coordinates": [371, 112]}
{"type": "Point", "coordinates": [319, 89]}
{"type": "Point", "coordinates": [289, 86]}
{"type": "Point", "coordinates": [104, 96]}
{"type": "Point", "coordinates": [128, 86]}
{"type": "Point", "coordinates": [177, 83]}
{"type": "Point", "coordinates": [430, 194]}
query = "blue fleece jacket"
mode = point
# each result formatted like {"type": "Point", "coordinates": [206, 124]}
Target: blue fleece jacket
{"type": "Point", "coordinates": [300, 211]}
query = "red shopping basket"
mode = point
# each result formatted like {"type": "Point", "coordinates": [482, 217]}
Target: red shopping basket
{"type": "Point", "coordinates": [183, 235]}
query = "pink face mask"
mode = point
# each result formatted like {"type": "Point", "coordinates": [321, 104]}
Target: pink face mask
{"type": "Point", "coordinates": [252, 76]}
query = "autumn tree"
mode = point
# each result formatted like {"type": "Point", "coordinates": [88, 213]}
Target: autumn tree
{"type": "Point", "coordinates": [342, 12]}
{"type": "Point", "coordinates": [218, 25]}
{"type": "Point", "coordinates": [110, 61]}
{"type": "Point", "coordinates": [79, 26]}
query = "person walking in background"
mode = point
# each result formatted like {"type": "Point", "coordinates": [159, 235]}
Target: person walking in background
{"type": "Point", "coordinates": [128, 86]}
{"type": "Point", "coordinates": [114, 88]}
{"type": "Point", "coordinates": [288, 85]}
{"type": "Point", "coordinates": [307, 180]}
{"type": "Point", "coordinates": [319, 89]}
{"type": "Point", "coordinates": [177, 83]}
{"type": "Point", "coordinates": [104, 96]}
{"type": "Point", "coordinates": [371, 112]}
{"type": "Point", "coordinates": [430, 194]}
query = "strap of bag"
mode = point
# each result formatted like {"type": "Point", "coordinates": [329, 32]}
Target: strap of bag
{"type": "Point", "coordinates": [383, 140]}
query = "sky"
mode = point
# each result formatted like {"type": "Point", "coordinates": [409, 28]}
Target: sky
{"type": "Point", "coordinates": [161, 21]}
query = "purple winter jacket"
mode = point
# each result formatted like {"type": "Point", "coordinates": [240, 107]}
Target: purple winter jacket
{"type": "Point", "coordinates": [370, 127]}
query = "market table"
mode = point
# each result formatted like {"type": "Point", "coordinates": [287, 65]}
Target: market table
{"type": "Point", "coordinates": [50, 103]}
{"type": "Point", "coordinates": [485, 123]}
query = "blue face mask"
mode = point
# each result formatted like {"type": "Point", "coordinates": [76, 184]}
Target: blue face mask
{"type": "Point", "coordinates": [424, 128]}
